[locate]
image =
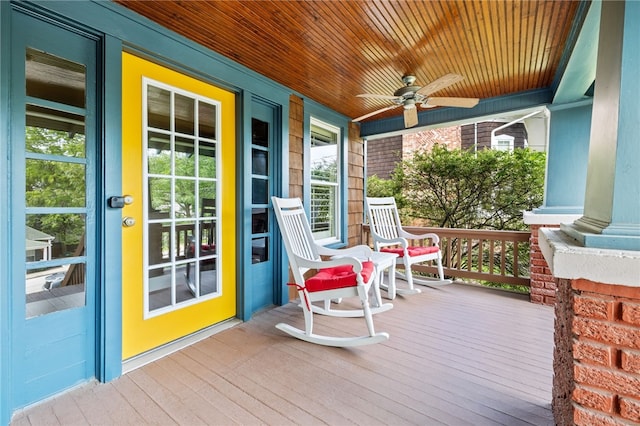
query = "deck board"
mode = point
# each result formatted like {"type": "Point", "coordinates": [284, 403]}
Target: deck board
{"type": "Point", "coordinates": [458, 355]}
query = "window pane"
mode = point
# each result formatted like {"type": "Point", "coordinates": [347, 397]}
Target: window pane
{"type": "Point", "coordinates": [158, 108]}
{"type": "Point", "coordinates": [54, 184]}
{"type": "Point", "coordinates": [259, 162]}
{"type": "Point", "coordinates": [159, 154]}
{"type": "Point", "coordinates": [259, 250]}
{"type": "Point", "coordinates": [159, 197]}
{"type": "Point", "coordinates": [55, 79]}
{"type": "Point", "coordinates": [159, 243]}
{"type": "Point", "coordinates": [159, 288]}
{"type": "Point", "coordinates": [259, 191]}
{"type": "Point", "coordinates": [54, 236]}
{"type": "Point", "coordinates": [184, 114]}
{"type": "Point", "coordinates": [208, 278]}
{"type": "Point", "coordinates": [54, 132]}
{"type": "Point", "coordinates": [259, 132]}
{"type": "Point", "coordinates": [324, 154]}
{"type": "Point", "coordinates": [185, 287]}
{"type": "Point", "coordinates": [207, 199]}
{"type": "Point", "coordinates": [55, 289]}
{"type": "Point", "coordinates": [185, 161]}
{"type": "Point", "coordinates": [323, 211]}
{"type": "Point", "coordinates": [207, 160]}
{"type": "Point", "coordinates": [259, 221]}
{"type": "Point", "coordinates": [185, 198]}
{"type": "Point", "coordinates": [206, 120]}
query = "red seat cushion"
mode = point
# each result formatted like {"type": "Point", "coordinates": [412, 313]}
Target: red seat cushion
{"type": "Point", "coordinates": [413, 251]}
{"type": "Point", "coordinates": [338, 277]}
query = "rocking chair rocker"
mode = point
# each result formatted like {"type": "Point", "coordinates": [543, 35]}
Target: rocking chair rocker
{"type": "Point", "coordinates": [389, 237]}
{"type": "Point", "coordinates": [344, 275]}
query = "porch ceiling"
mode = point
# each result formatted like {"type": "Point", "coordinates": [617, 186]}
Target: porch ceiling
{"type": "Point", "coordinates": [330, 51]}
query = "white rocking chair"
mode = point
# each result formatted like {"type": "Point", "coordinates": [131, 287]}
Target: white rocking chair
{"type": "Point", "coordinates": [389, 237]}
{"type": "Point", "coordinates": [344, 275]}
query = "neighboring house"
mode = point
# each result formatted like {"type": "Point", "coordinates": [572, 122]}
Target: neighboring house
{"type": "Point", "coordinates": [38, 245]}
{"type": "Point", "coordinates": [384, 154]}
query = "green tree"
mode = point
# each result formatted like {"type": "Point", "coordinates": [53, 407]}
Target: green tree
{"type": "Point", "coordinates": [461, 189]}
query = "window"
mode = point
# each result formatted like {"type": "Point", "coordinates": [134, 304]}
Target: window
{"type": "Point", "coordinates": [325, 181]}
{"type": "Point", "coordinates": [502, 143]}
{"type": "Point", "coordinates": [181, 193]}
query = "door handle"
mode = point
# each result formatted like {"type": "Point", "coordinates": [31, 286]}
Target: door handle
{"type": "Point", "coordinates": [119, 201]}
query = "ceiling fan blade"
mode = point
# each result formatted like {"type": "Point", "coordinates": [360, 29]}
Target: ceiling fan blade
{"type": "Point", "coordinates": [374, 96]}
{"type": "Point", "coordinates": [375, 112]}
{"type": "Point", "coordinates": [452, 102]}
{"type": "Point", "coordinates": [441, 83]}
{"type": "Point", "coordinates": [410, 117]}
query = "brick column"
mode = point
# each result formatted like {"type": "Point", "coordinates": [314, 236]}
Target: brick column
{"type": "Point", "coordinates": [543, 285]}
{"type": "Point", "coordinates": [597, 332]}
{"type": "Point", "coordinates": [606, 352]}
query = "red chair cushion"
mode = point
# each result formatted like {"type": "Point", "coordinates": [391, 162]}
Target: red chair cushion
{"type": "Point", "coordinates": [413, 251]}
{"type": "Point", "coordinates": [338, 277]}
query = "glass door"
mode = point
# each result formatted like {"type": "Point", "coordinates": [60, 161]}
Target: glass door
{"type": "Point", "coordinates": [54, 185]}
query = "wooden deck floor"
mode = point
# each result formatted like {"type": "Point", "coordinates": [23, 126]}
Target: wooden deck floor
{"type": "Point", "coordinates": [457, 355]}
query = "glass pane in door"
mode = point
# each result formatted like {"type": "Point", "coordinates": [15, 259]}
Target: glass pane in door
{"type": "Point", "coordinates": [55, 184]}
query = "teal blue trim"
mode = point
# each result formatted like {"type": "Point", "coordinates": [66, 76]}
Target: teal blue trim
{"type": "Point", "coordinates": [567, 158]}
{"type": "Point", "coordinates": [243, 203]}
{"type": "Point", "coordinates": [486, 107]}
{"type": "Point", "coordinates": [110, 320]}
{"type": "Point", "coordinates": [317, 111]}
{"type": "Point", "coordinates": [577, 68]}
{"type": "Point", "coordinates": [6, 402]}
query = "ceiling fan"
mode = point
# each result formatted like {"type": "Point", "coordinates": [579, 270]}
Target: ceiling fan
{"type": "Point", "coordinates": [411, 96]}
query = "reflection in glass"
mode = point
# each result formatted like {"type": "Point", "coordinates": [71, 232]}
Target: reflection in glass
{"type": "Point", "coordinates": [259, 221]}
{"type": "Point", "coordinates": [158, 108]}
{"type": "Point", "coordinates": [206, 120]}
{"type": "Point", "coordinates": [159, 240]}
{"type": "Point", "coordinates": [54, 132]}
{"type": "Point", "coordinates": [208, 282]}
{"type": "Point", "coordinates": [259, 132]}
{"type": "Point", "coordinates": [259, 191]}
{"type": "Point", "coordinates": [159, 197]}
{"type": "Point", "coordinates": [158, 154]}
{"type": "Point", "coordinates": [259, 162]}
{"type": "Point", "coordinates": [55, 79]}
{"type": "Point", "coordinates": [207, 237]}
{"type": "Point", "coordinates": [159, 288]}
{"type": "Point", "coordinates": [207, 198]}
{"type": "Point", "coordinates": [184, 202]}
{"type": "Point", "coordinates": [184, 114]}
{"type": "Point", "coordinates": [181, 195]}
{"type": "Point", "coordinates": [259, 250]}
{"type": "Point", "coordinates": [185, 161]}
{"type": "Point", "coordinates": [207, 160]}
{"type": "Point", "coordinates": [54, 184]}
{"type": "Point", "coordinates": [185, 236]}
{"type": "Point", "coordinates": [54, 236]}
{"type": "Point", "coordinates": [53, 289]}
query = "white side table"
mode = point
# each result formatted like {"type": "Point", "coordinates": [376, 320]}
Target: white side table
{"type": "Point", "coordinates": [384, 261]}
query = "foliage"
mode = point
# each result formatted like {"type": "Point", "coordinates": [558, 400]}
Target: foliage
{"type": "Point", "coordinates": [51, 183]}
{"type": "Point", "coordinates": [462, 189]}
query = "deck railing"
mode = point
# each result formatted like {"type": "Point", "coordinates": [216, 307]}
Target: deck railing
{"type": "Point", "coordinates": [483, 255]}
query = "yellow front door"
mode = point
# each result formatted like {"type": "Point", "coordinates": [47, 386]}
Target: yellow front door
{"type": "Point", "coordinates": [179, 238]}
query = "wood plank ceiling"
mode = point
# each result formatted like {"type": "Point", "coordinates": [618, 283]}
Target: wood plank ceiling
{"type": "Point", "coordinates": [330, 51]}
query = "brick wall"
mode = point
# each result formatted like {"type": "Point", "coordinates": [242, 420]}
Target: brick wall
{"type": "Point", "coordinates": [603, 329]}
{"type": "Point", "coordinates": [543, 284]}
{"type": "Point", "coordinates": [383, 155]}
{"type": "Point", "coordinates": [426, 139]}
